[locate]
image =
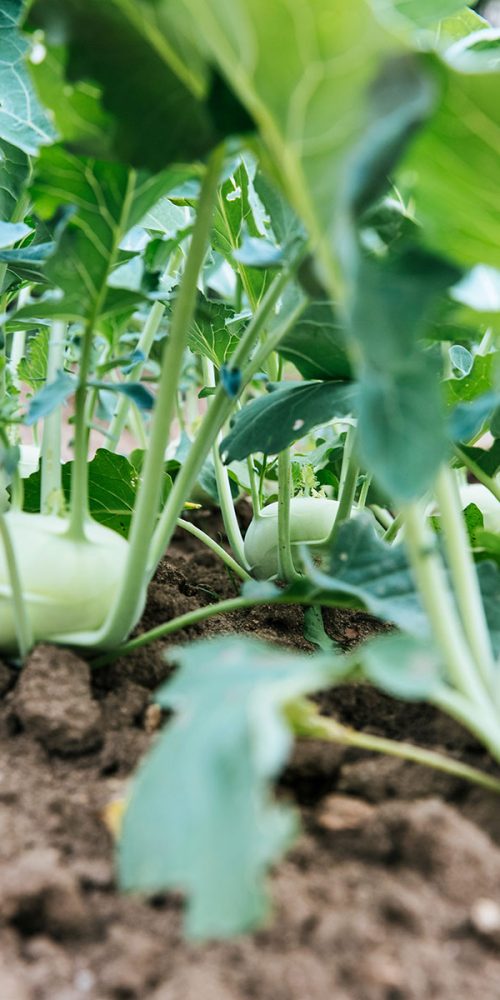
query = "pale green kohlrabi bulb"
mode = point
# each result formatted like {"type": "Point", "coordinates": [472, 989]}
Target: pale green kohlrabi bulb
{"type": "Point", "coordinates": [69, 586]}
{"type": "Point", "coordinates": [311, 521]}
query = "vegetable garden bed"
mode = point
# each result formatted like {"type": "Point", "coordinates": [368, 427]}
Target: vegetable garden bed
{"type": "Point", "coordinates": [249, 499]}
{"type": "Point", "coordinates": [391, 891]}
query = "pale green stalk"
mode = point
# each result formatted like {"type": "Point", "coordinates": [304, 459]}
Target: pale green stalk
{"type": "Point", "coordinates": [347, 485]}
{"type": "Point", "coordinates": [226, 558]}
{"type": "Point", "coordinates": [226, 504]}
{"type": "Point", "coordinates": [307, 723]}
{"type": "Point", "coordinates": [148, 498]}
{"type": "Point", "coordinates": [286, 568]}
{"type": "Point", "coordinates": [463, 574]}
{"type": "Point", "coordinates": [434, 592]}
{"type": "Point", "coordinates": [145, 343]}
{"type": "Point", "coordinates": [51, 480]}
{"type": "Point", "coordinates": [477, 471]}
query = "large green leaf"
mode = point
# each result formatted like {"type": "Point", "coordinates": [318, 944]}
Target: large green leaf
{"type": "Point", "coordinates": [459, 213]}
{"type": "Point", "coordinates": [402, 666]}
{"type": "Point", "coordinates": [317, 344]}
{"type": "Point", "coordinates": [201, 817]}
{"type": "Point", "coordinates": [113, 482]}
{"type": "Point", "coordinates": [401, 427]}
{"type": "Point", "coordinates": [14, 173]}
{"type": "Point", "coordinates": [271, 423]}
{"type": "Point", "coordinates": [365, 572]}
{"type": "Point", "coordinates": [105, 200]}
{"type": "Point", "coordinates": [419, 13]}
{"type": "Point", "coordinates": [303, 71]}
{"type": "Point", "coordinates": [23, 122]}
{"type": "Point", "coordinates": [152, 79]}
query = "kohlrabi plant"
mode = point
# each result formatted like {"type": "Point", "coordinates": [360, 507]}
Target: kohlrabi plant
{"type": "Point", "coordinates": [252, 250]}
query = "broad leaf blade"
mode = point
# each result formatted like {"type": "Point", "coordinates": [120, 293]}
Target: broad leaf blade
{"type": "Point", "coordinates": [23, 122]}
{"type": "Point", "coordinates": [273, 422]}
{"type": "Point", "coordinates": [201, 817]}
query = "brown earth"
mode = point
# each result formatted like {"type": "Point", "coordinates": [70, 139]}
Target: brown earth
{"type": "Point", "coordinates": [391, 893]}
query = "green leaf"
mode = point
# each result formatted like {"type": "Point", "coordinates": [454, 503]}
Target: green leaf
{"type": "Point", "coordinates": [402, 666]}
{"type": "Point", "coordinates": [213, 333]}
{"type": "Point", "coordinates": [317, 344]}
{"type": "Point", "coordinates": [14, 173]}
{"type": "Point", "coordinates": [28, 262]}
{"type": "Point", "coordinates": [489, 583]}
{"type": "Point", "coordinates": [481, 379]}
{"type": "Point", "coordinates": [234, 223]}
{"type": "Point", "coordinates": [152, 78]}
{"type": "Point", "coordinates": [402, 434]}
{"type": "Point", "coordinates": [367, 573]}
{"type": "Point", "coordinates": [32, 368]}
{"type": "Point", "coordinates": [106, 200]}
{"type": "Point", "coordinates": [11, 232]}
{"type": "Point", "coordinates": [201, 817]}
{"type": "Point", "coordinates": [23, 122]}
{"type": "Point", "coordinates": [52, 395]}
{"type": "Point", "coordinates": [467, 419]}
{"type": "Point", "coordinates": [273, 422]}
{"type": "Point", "coordinates": [419, 13]}
{"type": "Point", "coordinates": [460, 218]}
{"type": "Point", "coordinates": [287, 64]}
{"type": "Point", "coordinates": [488, 459]}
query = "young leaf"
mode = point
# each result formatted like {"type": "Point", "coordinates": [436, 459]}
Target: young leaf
{"type": "Point", "coordinates": [271, 423]}
{"type": "Point", "coordinates": [201, 817]}
{"type": "Point", "coordinates": [213, 333]}
{"type": "Point", "coordinates": [14, 173]}
{"type": "Point", "coordinates": [234, 225]}
{"type": "Point", "coordinates": [32, 368]}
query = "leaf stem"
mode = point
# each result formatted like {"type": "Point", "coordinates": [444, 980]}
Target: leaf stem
{"type": "Point", "coordinates": [307, 723]}
{"type": "Point", "coordinates": [477, 471]}
{"type": "Point", "coordinates": [144, 345]}
{"type": "Point", "coordinates": [148, 498]}
{"type": "Point", "coordinates": [463, 575]}
{"type": "Point", "coordinates": [182, 622]}
{"type": "Point", "coordinates": [231, 524]}
{"type": "Point", "coordinates": [347, 486]}
{"type": "Point", "coordinates": [286, 568]}
{"type": "Point", "coordinates": [51, 480]}
{"type": "Point", "coordinates": [431, 580]}
{"type": "Point", "coordinates": [202, 536]}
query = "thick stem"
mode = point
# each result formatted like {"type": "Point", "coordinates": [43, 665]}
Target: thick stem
{"type": "Point", "coordinates": [79, 507]}
{"type": "Point", "coordinates": [394, 529]}
{"type": "Point", "coordinates": [149, 494]}
{"type": "Point", "coordinates": [286, 568]}
{"type": "Point", "coordinates": [51, 481]}
{"type": "Point", "coordinates": [231, 524]}
{"type": "Point", "coordinates": [226, 558]}
{"type": "Point", "coordinates": [307, 723]}
{"type": "Point", "coordinates": [364, 492]}
{"type": "Point", "coordinates": [144, 345]}
{"type": "Point", "coordinates": [434, 592]}
{"type": "Point", "coordinates": [21, 619]}
{"type": "Point", "coordinates": [463, 575]}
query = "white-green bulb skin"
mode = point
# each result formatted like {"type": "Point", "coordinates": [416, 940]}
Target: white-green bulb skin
{"type": "Point", "coordinates": [311, 521]}
{"type": "Point", "coordinates": [69, 586]}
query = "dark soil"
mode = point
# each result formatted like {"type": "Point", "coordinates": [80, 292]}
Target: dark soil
{"type": "Point", "coordinates": [391, 893]}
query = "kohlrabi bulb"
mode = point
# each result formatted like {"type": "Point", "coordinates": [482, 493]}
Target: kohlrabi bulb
{"type": "Point", "coordinates": [69, 586]}
{"type": "Point", "coordinates": [488, 504]}
{"type": "Point", "coordinates": [311, 521]}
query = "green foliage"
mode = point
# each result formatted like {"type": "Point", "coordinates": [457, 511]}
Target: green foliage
{"type": "Point", "coordinates": [104, 200]}
{"type": "Point", "coordinates": [214, 331]}
{"type": "Point", "coordinates": [317, 344]}
{"type": "Point", "coordinates": [201, 817]}
{"type": "Point", "coordinates": [365, 572]}
{"type": "Point", "coordinates": [402, 666]}
{"type": "Point", "coordinates": [270, 423]}
{"type": "Point", "coordinates": [23, 122]}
